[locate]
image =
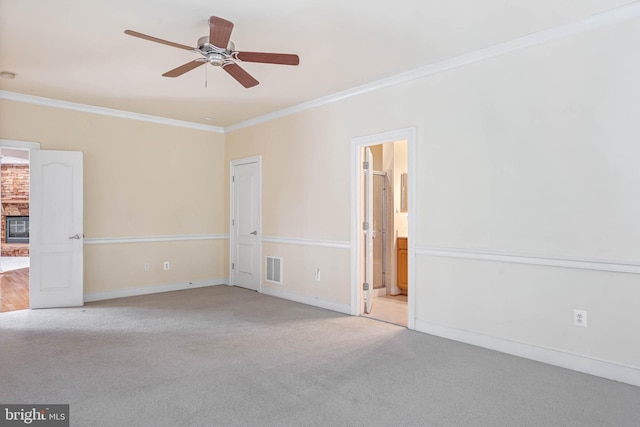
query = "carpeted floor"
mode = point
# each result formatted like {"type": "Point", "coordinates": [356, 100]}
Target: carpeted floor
{"type": "Point", "coordinates": [224, 356]}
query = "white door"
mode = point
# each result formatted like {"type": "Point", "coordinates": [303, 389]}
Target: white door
{"type": "Point", "coordinates": [245, 225]}
{"type": "Point", "coordinates": [55, 217]}
{"type": "Point", "coordinates": [368, 229]}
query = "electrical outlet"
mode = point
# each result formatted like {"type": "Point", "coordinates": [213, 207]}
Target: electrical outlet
{"type": "Point", "coordinates": [580, 318]}
{"type": "Point", "coordinates": [317, 274]}
{"type": "Point", "coordinates": [166, 265]}
{"type": "Point", "coordinates": [147, 267]}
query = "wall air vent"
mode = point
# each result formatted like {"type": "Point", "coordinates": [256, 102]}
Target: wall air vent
{"type": "Point", "coordinates": [274, 269]}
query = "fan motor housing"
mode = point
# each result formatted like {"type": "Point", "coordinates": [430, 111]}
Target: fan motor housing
{"type": "Point", "coordinates": [205, 46]}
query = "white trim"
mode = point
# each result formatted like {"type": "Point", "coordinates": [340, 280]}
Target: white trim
{"type": "Point", "coordinates": [56, 103]}
{"type": "Point", "coordinates": [575, 362]}
{"type": "Point", "coordinates": [153, 289]}
{"type": "Point", "coordinates": [608, 17]}
{"type": "Point", "coordinates": [409, 135]}
{"type": "Point", "coordinates": [19, 144]}
{"type": "Point", "coordinates": [568, 262]}
{"type": "Point", "coordinates": [151, 239]}
{"type": "Point", "coordinates": [307, 242]}
{"type": "Point", "coordinates": [304, 299]}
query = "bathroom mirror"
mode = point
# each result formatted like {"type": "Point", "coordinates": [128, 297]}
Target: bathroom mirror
{"type": "Point", "coordinates": [403, 192]}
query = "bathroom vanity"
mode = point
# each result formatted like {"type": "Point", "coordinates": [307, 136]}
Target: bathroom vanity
{"type": "Point", "coordinates": [403, 275]}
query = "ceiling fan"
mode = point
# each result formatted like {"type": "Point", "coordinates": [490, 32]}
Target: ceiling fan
{"type": "Point", "coordinates": [217, 50]}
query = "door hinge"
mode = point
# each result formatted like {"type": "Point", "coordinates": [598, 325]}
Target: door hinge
{"type": "Point", "coordinates": [233, 222]}
{"type": "Point", "coordinates": [365, 165]}
{"type": "Point", "coordinates": [233, 178]}
{"type": "Point", "coordinates": [233, 266]}
{"type": "Point", "coordinates": [365, 286]}
{"type": "Point", "coordinates": [365, 226]}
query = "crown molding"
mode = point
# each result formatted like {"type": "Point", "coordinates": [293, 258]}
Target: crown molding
{"type": "Point", "coordinates": [49, 102]}
{"type": "Point", "coordinates": [608, 17]}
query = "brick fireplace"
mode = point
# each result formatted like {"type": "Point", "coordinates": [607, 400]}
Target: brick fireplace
{"type": "Point", "coordinates": [15, 203]}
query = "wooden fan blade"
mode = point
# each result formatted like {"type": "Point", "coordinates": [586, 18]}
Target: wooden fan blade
{"type": "Point", "coordinates": [269, 58]}
{"type": "Point", "coordinates": [219, 32]}
{"type": "Point", "coordinates": [157, 40]}
{"type": "Point", "coordinates": [238, 73]}
{"type": "Point", "coordinates": [183, 69]}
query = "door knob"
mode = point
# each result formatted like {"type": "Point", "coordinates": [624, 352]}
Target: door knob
{"type": "Point", "coordinates": [255, 233]}
{"type": "Point", "coordinates": [76, 237]}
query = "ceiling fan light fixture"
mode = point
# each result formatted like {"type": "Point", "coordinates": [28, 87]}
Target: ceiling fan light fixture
{"type": "Point", "coordinates": [215, 59]}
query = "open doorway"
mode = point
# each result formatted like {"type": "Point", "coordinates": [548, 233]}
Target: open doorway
{"type": "Point", "coordinates": [381, 283]}
{"type": "Point", "coordinates": [14, 235]}
{"type": "Point", "coordinates": [388, 230]}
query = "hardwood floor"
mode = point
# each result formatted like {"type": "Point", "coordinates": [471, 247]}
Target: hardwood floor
{"type": "Point", "coordinates": [14, 290]}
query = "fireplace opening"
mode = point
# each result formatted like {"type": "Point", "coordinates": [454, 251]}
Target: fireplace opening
{"type": "Point", "coordinates": [17, 228]}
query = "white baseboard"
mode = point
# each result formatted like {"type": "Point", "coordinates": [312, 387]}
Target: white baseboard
{"type": "Point", "coordinates": [153, 289]}
{"type": "Point", "coordinates": [304, 299]}
{"type": "Point", "coordinates": [575, 362]}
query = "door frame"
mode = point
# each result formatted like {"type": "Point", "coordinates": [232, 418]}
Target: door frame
{"type": "Point", "coordinates": [232, 238]}
{"type": "Point", "coordinates": [367, 217]}
{"type": "Point", "coordinates": [357, 245]}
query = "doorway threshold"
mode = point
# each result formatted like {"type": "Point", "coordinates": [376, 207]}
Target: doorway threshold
{"type": "Point", "coordinates": [390, 309]}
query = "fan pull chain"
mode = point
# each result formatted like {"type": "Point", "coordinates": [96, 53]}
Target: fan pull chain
{"type": "Point", "coordinates": [206, 75]}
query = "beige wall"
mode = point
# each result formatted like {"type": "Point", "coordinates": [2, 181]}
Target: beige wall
{"type": "Point", "coordinates": [532, 152]}
{"type": "Point", "coordinates": [299, 263]}
{"type": "Point", "coordinates": [305, 183]}
{"type": "Point", "coordinates": [302, 165]}
{"type": "Point", "coordinates": [140, 179]}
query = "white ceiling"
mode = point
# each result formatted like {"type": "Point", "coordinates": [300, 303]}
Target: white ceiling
{"type": "Point", "coordinates": [75, 50]}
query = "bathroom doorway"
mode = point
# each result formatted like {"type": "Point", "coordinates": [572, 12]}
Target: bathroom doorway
{"type": "Point", "coordinates": [381, 288]}
{"type": "Point", "coordinates": [388, 162]}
